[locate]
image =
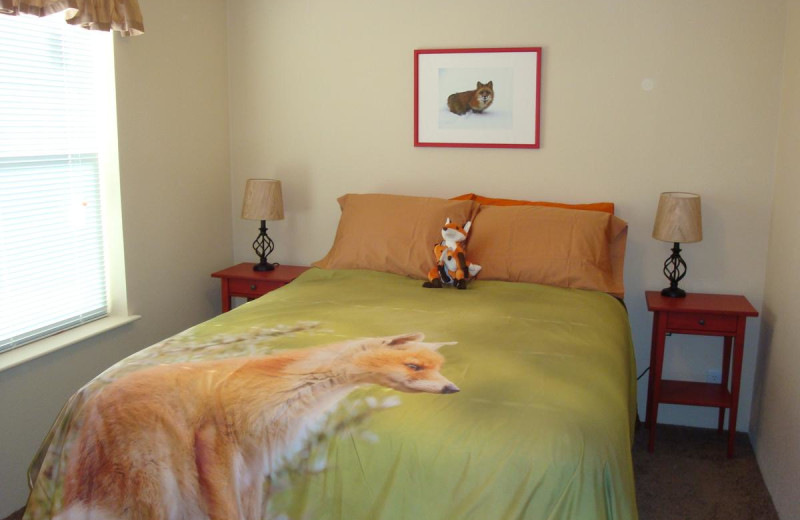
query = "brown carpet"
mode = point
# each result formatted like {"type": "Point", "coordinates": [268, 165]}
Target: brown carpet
{"type": "Point", "coordinates": [689, 477]}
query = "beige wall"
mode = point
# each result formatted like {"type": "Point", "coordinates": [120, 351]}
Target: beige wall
{"type": "Point", "coordinates": [175, 183]}
{"type": "Point", "coordinates": [321, 98]}
{"type": "Point", "coordinates": [776, 403]}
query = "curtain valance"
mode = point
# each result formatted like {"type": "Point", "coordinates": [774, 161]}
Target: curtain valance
{"type": "Point", "coordinates": [104, 15]}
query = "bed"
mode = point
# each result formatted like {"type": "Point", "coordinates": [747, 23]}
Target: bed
{"type": "Point", "coordinates": [540, 429]}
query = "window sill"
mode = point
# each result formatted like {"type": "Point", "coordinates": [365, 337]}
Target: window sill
{"type": "Point", "coordinates": [44, 346]}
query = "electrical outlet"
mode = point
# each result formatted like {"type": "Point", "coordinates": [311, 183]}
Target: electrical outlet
{"type": "Point", "coordinates": [714, 375]}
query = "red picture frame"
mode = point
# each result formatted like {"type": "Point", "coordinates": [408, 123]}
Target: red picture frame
{"type": "Point", "coordinates": [477, 98]}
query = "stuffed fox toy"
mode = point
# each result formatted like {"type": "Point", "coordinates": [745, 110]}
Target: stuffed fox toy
{"type": "Point", "coordinates": [452, 266]}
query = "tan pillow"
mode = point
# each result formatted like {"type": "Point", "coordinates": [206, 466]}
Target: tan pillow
{"type": "Point", "coordinates": [392, 233]}
{"type": "Point", "coordinates": [552, 246]}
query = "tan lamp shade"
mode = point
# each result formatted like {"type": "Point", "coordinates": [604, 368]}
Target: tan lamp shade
{"type": "Point", "coordinates": [678, 218]}
{"type": "Point", "coordinates": [263, 200]}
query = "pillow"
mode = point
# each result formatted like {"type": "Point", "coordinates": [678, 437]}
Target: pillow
{"type": "Point", "coordinates": [607, 207]}
{"type": "Point", "coordinates": [392, 233]}
{"type": "Point", "coordinates": [552, 246]}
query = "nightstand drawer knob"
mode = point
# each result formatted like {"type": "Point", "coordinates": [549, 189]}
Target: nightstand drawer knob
{"type": "Point", "coordinates": [252, 287]}
{"type": "Point", "coordinates": [702, 322]}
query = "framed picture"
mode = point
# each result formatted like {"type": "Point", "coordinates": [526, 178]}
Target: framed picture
{"type": "Point", "coordinates": [477, 98]}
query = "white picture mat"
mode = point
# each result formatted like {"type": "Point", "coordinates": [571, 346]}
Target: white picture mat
{"type": "Point", "coordinates": [511, 119]}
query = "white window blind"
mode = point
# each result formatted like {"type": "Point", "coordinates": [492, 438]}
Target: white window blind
{"type": "Point", "coordinates": [52, 263]}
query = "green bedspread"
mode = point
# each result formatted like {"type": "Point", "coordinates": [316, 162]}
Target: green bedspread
{"type": "Point", "coordinates": [541, 428]}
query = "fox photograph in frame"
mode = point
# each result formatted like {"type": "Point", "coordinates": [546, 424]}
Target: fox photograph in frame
{"type": "Point", "coordinates": [477, 98]}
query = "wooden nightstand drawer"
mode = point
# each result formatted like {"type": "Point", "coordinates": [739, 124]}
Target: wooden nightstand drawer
{"type": "Point", "coordinates": [702, 322]}
{"type": "Point", "coordinates": [241, 280]}
{"type": "Point", "coordinates": [253, 288]}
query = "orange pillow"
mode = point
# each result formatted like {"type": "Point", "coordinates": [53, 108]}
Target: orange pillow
{"type": "Point", "coordinates": [607, 207]}
{"type": "Point", "coordinates": [392, 233]}
{"type": "Point", "coordinates": [548, 245]}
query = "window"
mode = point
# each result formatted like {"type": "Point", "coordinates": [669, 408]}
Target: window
{"type": "Point", "coordinates": [53, 142]}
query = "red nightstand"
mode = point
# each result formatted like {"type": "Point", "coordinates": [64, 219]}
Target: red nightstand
{"type": "Point", "coordinates": [698, 314]}
{"type": "Point", "coordinates": [241, 280]}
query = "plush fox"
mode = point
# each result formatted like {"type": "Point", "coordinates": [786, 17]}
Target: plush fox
{"type": "Point", "coordinates": [452, 266]}
{"type": "Point", "coordinates": [197, 440]}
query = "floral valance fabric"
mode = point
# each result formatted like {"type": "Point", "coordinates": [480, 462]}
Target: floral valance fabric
{"type": "Point", "coordinates": [104, 15]}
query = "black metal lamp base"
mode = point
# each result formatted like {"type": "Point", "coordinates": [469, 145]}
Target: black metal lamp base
{"type": "Point", "coordinates": [674, 270]}
{"type": "Point", "coordinates": [673, 292]}
{"type": "Point", "coordinates": [264, 266]}
{"type": "Point", "coordinates": [263, 246]}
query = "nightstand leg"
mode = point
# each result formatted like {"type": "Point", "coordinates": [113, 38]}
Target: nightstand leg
{"type": "Point", "coordinates": [736, 373]}
{"type": "Point", "coordinates": [226, 295]}
{"type": "Point", "coordinates": [649, 402]}
{"type": "Point", "coordinates": [726, 370]}
{"type": "Point", "coordinates": [656, 365]}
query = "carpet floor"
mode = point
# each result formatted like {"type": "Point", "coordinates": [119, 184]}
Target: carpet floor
{"type": "Point", "coordinates": [689, 477]}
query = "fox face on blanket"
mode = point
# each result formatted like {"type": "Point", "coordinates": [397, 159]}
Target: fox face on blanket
{"type": "Point", "coordinates": [197, 440]}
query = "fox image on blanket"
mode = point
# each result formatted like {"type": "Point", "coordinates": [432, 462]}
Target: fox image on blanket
{"type": "Point", "coordinates": [197, 440]}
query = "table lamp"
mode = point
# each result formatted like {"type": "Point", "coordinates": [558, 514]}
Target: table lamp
{"type": "Point", "coordinates": [678, 219]}
{"type": "Point", "coordinates": [263, 201]}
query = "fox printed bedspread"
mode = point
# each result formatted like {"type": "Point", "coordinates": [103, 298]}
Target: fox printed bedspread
{"type": "Point", "coordinates": [359, 395]}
